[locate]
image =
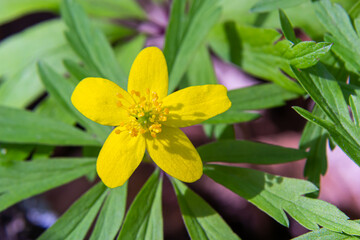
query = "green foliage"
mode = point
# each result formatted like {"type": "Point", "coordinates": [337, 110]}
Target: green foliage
{"type": "Point", "coordinates": [248, 152]}
{"type": "Point", "coordinates": [111, 215]}
{"type": "Point", "coordinates": [185, 34]}
{"type": "Point", "coordinates": [20, 126]}
{"type": "Point", "coordinates": [90, 44]}
{"type": "Point", "coordinates": [43, 41]}
{"type": "Point", "coordinates": [76, 221]}
{"type": "Point", "coordinates": [144, 218]}
{"type": "Point", "coordinates": [326, 92]}
{"type": "Point", "coordinates": [269, 5]}
{"type": "Point", "coordinates": [254, 48]}
{"type": "Point", "coordinates": [274, 195]}
{"type": "Point", "coordinates": [61, 89]}
{"type": "Point", "coordinates": [201, 220]}
{"type": "Point", "coordinates": [326, 234]}
{"type": "Point", "coordinates": [20, 180]}
{"type": "Point", "coordinates": [345, 38]}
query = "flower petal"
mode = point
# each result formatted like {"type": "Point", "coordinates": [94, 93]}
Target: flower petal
{"type": "Point", "coordinates": [149, 71]}
{"type": "Point", "coordinates": [173, 152]}
{"type": "Point", "coordinates": [119, 157]}
{"type": "Point", "coordinates": [98, 99]}
{"type": "Point", "coordinates": [193, 105]}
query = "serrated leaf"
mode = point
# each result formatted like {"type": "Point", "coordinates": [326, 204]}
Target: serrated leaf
{"type": "Point", "coordinates": [270, 5]}
{"type": "Point", "coordinates": [306, 54]}
{"type": "Point", "coordinates": [20, 180]}
{"type": "Point", "coordinates": [253, 49]}
{"type": "Point", "coordinates": [275, 195]}
{"type": "Point", "coordinates": [144, 218]}
{"type": "Point", "coordinates": [345, 38]}
{"type": "Point", "coordinates": [201, 220]}
{"type": "Point", "coordinates": [185, 34]}
{"type": "Point", "coordinates": [111, 215]}
{"type": "Point", "coordinates": [20, 126]}
{"type": "Point", "coordinates": [61, 89]}
{"type": "Point", "coordinates": [326, 235]}
{"type": "Point", "coordinates": [248, 152]}
{"type": "Point", "coordinates": [76, 221]}
{"type": "Point", "coordinates": [90, 43]}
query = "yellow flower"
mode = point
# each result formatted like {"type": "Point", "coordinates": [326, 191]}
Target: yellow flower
{"type": "Point", "coordinates": [147, 118]}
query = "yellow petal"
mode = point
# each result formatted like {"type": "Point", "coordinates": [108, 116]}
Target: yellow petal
{"type": "Point", "coordinates": [98, 99]}
{"type": "Point", "coordinates": [193, 105]}
{"type": "Point", "coordinates": [173, 152]}
{"type": "Point", "coordinates": [149, 71]}
{"type": "Point", "coordinates": [119, 157]}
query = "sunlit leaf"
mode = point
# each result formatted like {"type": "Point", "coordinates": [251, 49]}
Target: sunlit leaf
{"type": "Point", "coordinates": [275, 195]}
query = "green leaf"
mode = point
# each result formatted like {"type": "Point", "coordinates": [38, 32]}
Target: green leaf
{"type": "Point", "coordinates": [248, 152]}
{"type": "Point", "coordinates": [201, 220]}
{"type": "Point", "coordinates": [127, 52]}
{"type": "Point", "coordinates": [43, 41]}
{"type": "Point", "coordinates": [260, 96]}
{"type": "Point", "coordinates": [20, 180]}
{"type": "Point", "coordinates": [144, 218]}
{"type": "Point", "coordinates": [287, 27]}
{"type": "Point", "coordinates": [61, 90]}
{"type": "Point", "coordinates": [315, 138]}
{"type": "Point", "coordinates": [345, 139]}
{"type": "Point", "coordinates": [90, 43]}
{"type": "Point", "coordinates": [270, 5]}
{"type": "Point", "coordinates": [326, 234]}
{"type": "Point", "coordinates": [20, 126]}
{"type": "Point", "coordinates": [232, 116]}
{"type": "Point", "coordinates": [111, 215]}
{"type": "Point", "coordinates": [306, 54]}
{"type": "Point", "coordinates": [355, 108]}
{"type": "Point", "coordinates": [201, 70]}
{"type": "Point", "coordinates": [77, 72]}
{"type": "Point", "coordinates": [345, 38]}
{"type": "Point", "coordinates": [185, 34]}
{"type": "Point", "coordinates": [253, 49]}
{"type": "Point", "coordinates": [76, 221]}
{"type": "Point", "coordinates": [13, 9]}
{"type": "Point", "coordinates": [324, 90]}
{"type": "Point", "coordinates": [274, 195]}
{"type": "Point", "coordinates": [14, 152]}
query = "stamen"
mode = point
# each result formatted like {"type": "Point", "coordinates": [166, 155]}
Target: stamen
{"type": "Point", "coordinates": [145, 115]}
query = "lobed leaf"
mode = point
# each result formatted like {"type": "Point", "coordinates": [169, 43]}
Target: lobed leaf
{"type": "Point", "coordinates": [275, 195]}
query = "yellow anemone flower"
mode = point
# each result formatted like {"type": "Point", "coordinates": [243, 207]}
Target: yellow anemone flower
{"type": "Point", "coordinates": [145, 117]}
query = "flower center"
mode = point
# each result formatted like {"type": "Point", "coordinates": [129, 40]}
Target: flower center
{"type": "Point", "coordinates": [145, 115]}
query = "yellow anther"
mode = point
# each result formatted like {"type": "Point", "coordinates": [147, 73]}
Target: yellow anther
{"type": "Point", "coordinates": [119, 104]}
{"type": "Point", "coordinates": [119, 95]}
{"type": "Point", "coordinates": [117, 131]}
{"type": "Point", "coordinates": [141, 114]}
{"type": "Point", "coordinates": [166, 111]}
